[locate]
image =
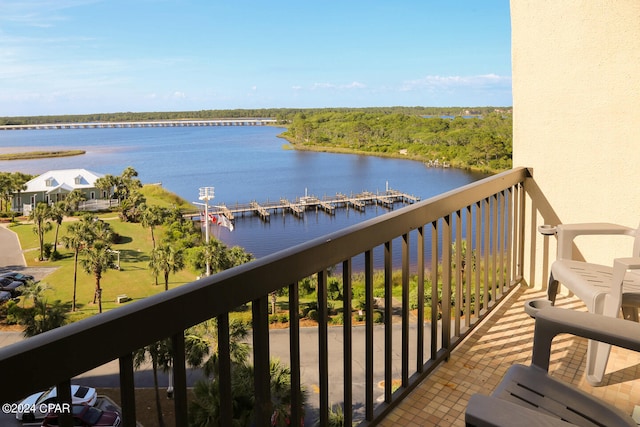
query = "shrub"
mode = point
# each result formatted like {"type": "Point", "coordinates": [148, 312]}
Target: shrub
{"type": "Point", "coordinates": [313, 315]}
{"type": "Point", "coordinates": [338, 319]}
{"type": "Point", "coordinates": [310, 306]}
{"type": "Point", "coordinates": [378, 316]}
{"type": "Point", "coordinates": [47, 248]}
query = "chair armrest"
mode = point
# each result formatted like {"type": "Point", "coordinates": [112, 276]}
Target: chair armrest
{"type": "Point", "coordinates": [487, 411]}
{"type": "Point", "coordinates": [568, 232]}
{"type": "Point", "coordinates": [553, 321]}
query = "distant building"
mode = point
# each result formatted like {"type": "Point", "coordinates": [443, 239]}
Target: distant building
{"type": "Point", "coordinates": [55, 185]}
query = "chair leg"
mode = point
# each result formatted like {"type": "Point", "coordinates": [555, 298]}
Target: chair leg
{"type": "Point", "coordinates": [552, 289]}
{"type": "Point", "coordinates": [630, 312]}
{"type": "Point", "coordinates": [597, 358]}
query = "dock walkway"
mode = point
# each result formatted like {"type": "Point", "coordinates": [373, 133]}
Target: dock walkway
{"type": "Point", "coordinates": [327, 204]}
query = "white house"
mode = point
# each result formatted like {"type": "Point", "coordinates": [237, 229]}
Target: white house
{"type": "Point", "coordinates": [53, 186]}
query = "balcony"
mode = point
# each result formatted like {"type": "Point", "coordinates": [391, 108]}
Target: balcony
{"type": "Point", "coordinates": [475, 308]}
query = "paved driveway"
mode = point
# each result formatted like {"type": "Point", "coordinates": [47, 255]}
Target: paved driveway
{"type": "Point", "coordinates": [11, 256]}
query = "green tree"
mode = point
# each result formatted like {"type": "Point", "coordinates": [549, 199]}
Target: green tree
{"type": "Point", "coordinates": [43, 317]}
{"type": "Point", "coordinates": [201, 344]}
{"type": "Point", "coordinates": [106, 184]}
{"type": "Point", "coordinates": [34, 290]}
{"type": "Point", "coordinates": [73, 200]}
{"type": "Point", "coordinates": [153, 216]}
{"type": "Point", "coordinates": [11, 183]}
{"type": "Point", "coordinates": [204, 410]}
{"type": "Point", "coordinates": [98, 258]}
{"type": "Point", "coordinates": [160, 355]}
{"type": "Point", "coordinates": [40, 217]}
{"type": "Point", "coordinates": [166, 259]}
{"type": "Point", "coordinates": [57, 211]}
{"type": "Point", "coordinates": [78, 236]}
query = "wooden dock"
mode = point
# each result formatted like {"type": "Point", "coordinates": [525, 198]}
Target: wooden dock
{"type": "Point", "coordinates": [328, 204]}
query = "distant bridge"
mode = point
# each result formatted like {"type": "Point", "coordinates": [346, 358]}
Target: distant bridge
{"type": "Point", "coordinates": [143, 124]}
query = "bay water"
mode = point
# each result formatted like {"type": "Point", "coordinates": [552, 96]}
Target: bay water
{"type": "Point", "coordinates": [243, 164]}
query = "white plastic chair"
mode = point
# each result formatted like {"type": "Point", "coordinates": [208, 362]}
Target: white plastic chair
{"type": "Point", "coordinates": [528, 395]}
{"type": "Point", "coordinates": [603, 289]}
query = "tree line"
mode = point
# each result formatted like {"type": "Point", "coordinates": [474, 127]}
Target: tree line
{"type": "Point", "coordinates": [283, 115]}
{"type": "Point", "coordinates": [478, 142]}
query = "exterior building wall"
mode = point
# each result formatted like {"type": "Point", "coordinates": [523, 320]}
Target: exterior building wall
{"type": "Point", "coordinates": [576, 103]}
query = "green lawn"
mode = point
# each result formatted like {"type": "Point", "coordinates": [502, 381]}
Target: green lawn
{"type": "Point", "coordinates": [134, 278]}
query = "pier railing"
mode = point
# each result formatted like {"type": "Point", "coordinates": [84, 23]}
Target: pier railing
{"type": "Point", "coordinates": [476, 235]}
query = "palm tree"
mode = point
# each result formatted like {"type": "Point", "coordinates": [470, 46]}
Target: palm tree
{"type": "Point", "coordinates": [34, 291]}
{"type": "Point", "coordinates": [78, 236]}
{"type": "Point", "coordinates": [98, 258]}
{"type": "Point", "coordinates": [40, 216]}
{"type": "Point", "coordinates": [57, 211]}
{"type": "Point", "coordinates": [11, 183]}
{"type": "Point", "coordinates": [44, 317]}
{"type": "Point", "coordinates": [161, 355]}
{"type": "Point", "coordinates": [73, 200]}
{"type": "Point", "coordinates": [201, 339]}
{"type": "Point", "coordinates": [204, 408]}
{"type": "Point", "coordinates": [166, 259]}
{"type": "Point", "coordinates": [151, 217]}
{"type": "Point", "coordinates": [106, 184]}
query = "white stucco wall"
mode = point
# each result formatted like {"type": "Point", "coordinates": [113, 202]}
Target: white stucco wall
{"type": "Point", "coordinates": [576, 99]}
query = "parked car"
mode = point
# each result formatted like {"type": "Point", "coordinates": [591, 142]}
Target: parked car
{"type": "Point", "coordinates": [35, 406]}
{"type": "Point", "coordinates": [9, 285]}
{"type": "Point", "coordinates": [86, 416]}
{"type": "Point", "coordinates": [24, 278]}
{"type": "Point", "coordinates": [4, 296]}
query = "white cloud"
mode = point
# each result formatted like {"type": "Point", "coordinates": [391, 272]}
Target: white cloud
{"type": "Point", "coordinates": [455, 82]}
{"type": "Point", "coordinates": [332, 86]}
{"type": "Point", "coordinates": [38, 13]}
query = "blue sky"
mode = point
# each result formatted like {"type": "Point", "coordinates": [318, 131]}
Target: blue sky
{"type": "Point", "coordinates": [90, 56]}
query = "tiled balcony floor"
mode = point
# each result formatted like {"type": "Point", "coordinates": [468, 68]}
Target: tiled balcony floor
{"type": "Point", "coordinates": [479, 363]}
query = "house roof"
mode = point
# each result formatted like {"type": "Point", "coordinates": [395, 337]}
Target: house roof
{"type": "Point", "coordinates": [64, 180]}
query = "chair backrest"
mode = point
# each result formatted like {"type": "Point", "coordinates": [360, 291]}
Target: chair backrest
{"type": "Point", "coordinates": [636, 243]}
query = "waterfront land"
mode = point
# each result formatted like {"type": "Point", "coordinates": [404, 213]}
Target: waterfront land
{"type": "Point", "coordinates": [26, 155]}
{"type": "Point", "coordinates": [478, 139]}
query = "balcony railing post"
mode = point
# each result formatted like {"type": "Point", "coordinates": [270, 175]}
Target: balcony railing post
{"type": "Point", "coordinates": [388, 321]}
{"type": "Point", "coordinates": [179, 373]}
{"type": "Point", "coordinates": [405, 310]}
{"type": "Point", "coordinates": [446, 284]}
{"type": "Point", "coordinates": [435, 302]}
{"type": "Point", "coordinates": [368, 284]}
{"type": "Point", "coordinates": [347, 296]}
{"type": "Point", "coordinates": [323, 348]}
{"type": "Point", "coordinates": [224, 366]}
{"type": "Point", "coordinates": [294, 350]}
{"type": "Point", "coordinates": [127, 391]}
{"type": "Point", "coordinates": [261, 363]}
{"type": "Point", "coordinates": [64, 396]}
{"type": "Point", "coordinates": [458, 306]}
{"type": "Point", "coordinates": [420, 302]}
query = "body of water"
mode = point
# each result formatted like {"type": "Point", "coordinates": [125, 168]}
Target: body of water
{"type": "Point", "coordinates": [243, 164]}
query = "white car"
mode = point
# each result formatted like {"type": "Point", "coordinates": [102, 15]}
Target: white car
{"type": "Point", "coordinates": [36, 406]}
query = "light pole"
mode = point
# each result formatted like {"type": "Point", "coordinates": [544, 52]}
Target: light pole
{"type": "Point", "coordinates": [206, 194]}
